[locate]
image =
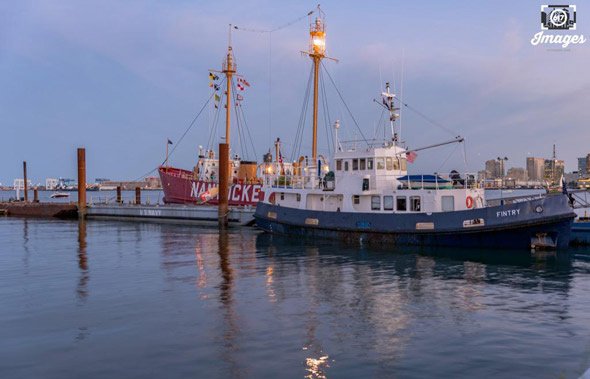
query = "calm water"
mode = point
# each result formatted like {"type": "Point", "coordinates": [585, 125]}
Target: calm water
{"type": "Point", "coordinates": [110, 300]}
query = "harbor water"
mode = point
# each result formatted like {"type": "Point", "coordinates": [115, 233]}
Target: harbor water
{"type": "Point", "coordinates": [101, 299]}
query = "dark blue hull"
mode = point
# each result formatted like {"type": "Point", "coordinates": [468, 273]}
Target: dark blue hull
{"type": "Point", "coordinates": [506, 226]}
{"type": "Point", "coordinates": [580, 233]}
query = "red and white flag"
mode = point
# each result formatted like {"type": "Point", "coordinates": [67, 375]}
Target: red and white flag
{"type": "Point", "coordinates": [411, 156]}
{"type": "Point", "coordinates": [242, 83]}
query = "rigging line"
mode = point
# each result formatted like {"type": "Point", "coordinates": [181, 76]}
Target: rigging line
{"type": "Point", "coordinates": [214, 125]}
{"type": "Point", "coordinates": [301, 123]}
{"type": "Point", "coordinates": [262, 31]}
{"type": "Point", "coordinates": [248, 131]}
{"type": "Point", "coordinates": [189, 127]}
{"type": "Point", "coordinates": [448, 157]}
{"type": "Point", "coordinates": [234, 100]}
{"type": "Point", "coordinates": [345, 105]}
{"type": "Point", "coordinates": [304, 112]}
{"type": "Point", "coordinates": [326, 114]}
{"type": "Point", "coordinates": [449, 130]}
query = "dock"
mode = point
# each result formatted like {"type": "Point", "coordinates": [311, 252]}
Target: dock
{"type": "Point", "coordinates": [57, 210]}
{"type": "Point", "coordinates": [169, 213]}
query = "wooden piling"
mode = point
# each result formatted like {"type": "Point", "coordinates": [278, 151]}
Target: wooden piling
{"type": "Point", "coordinates": [81, 182]}
{"type": "Point", "coordinates": [35, 195]}
{"type": "Point", "coordinates": [137, 196]}
{"type": "Point", "coordinates": [223, 208]}
{"type": "Point", "coordinates": [25, 180]}
{"type": "Point", "coordinates": [119, 197]}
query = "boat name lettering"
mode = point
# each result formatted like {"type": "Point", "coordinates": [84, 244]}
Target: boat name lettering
{"type": "Point", "coordinates": [248, 193]}
{"type": "Point", "coordinates": [150, 212]}
{"type": "Point", "coordinates": [508, 213]}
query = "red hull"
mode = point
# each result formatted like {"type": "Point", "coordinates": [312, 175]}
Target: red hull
{"type": "Point", "coordinates": [180, 187]}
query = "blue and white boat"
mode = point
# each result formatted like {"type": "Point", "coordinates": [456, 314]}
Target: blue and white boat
{"type": "Point", "coordinates": [370, 198]}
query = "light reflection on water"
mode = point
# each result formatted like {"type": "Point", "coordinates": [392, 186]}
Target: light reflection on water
{"type": "Point", "coordinates": [137, 300]}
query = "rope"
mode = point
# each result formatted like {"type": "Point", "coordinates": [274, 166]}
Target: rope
{"type": "Point", "coordinates": [346, 105]}
{"type": "Point", "coordinates": [189, 127]}
{"type": "Point", "coordinates": [299, 135]}
{"type": "Point", "coordinates": [262, 31]}
{"type": "Point", "coordinates": [449, 130]}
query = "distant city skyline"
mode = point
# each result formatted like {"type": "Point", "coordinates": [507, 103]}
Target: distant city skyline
{"type": "Point", "coordinates": [121, 78]}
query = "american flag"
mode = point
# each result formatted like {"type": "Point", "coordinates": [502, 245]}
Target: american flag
{"type": "Point", "coordinates": [411, 156]}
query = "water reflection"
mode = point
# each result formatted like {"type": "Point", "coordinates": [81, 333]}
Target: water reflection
{"type": "Point", "coordinates": [82, 288]}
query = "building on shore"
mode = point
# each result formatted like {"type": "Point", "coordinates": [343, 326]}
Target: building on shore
{"type": "Point", "coordinates": [495, 169]}
{"type": "Point", "coordinates": [517, 174]}
{"type": "Point", "coordinates": [535, 168]}
{"type": "Point", "coordinates": [150, 182]}
{"type": "Point", "coordinates": [584, 166]}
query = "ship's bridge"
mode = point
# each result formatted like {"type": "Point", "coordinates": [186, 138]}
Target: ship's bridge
{"type": "Point", "coordinates": [369, 168]}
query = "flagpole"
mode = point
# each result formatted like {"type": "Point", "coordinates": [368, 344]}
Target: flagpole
{"type": "Point", "coordinates": [167, 153]}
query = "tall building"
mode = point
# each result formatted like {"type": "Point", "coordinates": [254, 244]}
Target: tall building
{"type": "Point", "coordinates": [588, 164]}
{"type": "Point", "coordinates": [582, 167]}
{"type": "Point", "coordinates": [554, 170]}
{"type": "Point", "coordinates": [535, 168]}
{"type": "Point", "coordinates": [494, 169]}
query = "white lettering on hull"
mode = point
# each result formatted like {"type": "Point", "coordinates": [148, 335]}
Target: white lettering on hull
{"type": "Point", "coordinates": [508, 213]}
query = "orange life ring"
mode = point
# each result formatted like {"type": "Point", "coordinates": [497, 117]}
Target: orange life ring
{"type": "Point", "coordinates": [469, 202]}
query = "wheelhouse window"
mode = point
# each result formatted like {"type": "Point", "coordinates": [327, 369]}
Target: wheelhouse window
{"type": "Point", "coordinates": [401, 205]}
{"type": "Point", "coordinates": [415, 203]}
{"type": "Point", "coordinates": [345, 165]}
{"type": "Point", "coordinates": [355, 164]}
{"type": "Point", "coordinates": [389, 163]}
{"type": "Point", "coordinates": [376, 203]}
{"type": "Point", "coordinates": [356, 199]}
{"type": "Point", "coordinates": [380, 164]}
{"type": "Point", "coordinates": [387, 203]}
{"type": "Point", "coordinates": [338, 164]}
{"type": "Point", "coordinates": [404, 164]}
{"type": "Point", "coordinates": [369, 163]}
{"type": "Point", "coordinates": [396, 163]}
{"type": "Point", "coordinates": [362, 164]}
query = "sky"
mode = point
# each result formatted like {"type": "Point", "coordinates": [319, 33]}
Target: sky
{"type": "Point", "coordinates": [120, 78]}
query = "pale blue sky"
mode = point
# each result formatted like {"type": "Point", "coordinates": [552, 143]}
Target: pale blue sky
{"type": "Point", "coordinates": [120, 77]}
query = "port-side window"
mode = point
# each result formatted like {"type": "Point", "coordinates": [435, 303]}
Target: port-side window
{"type": "Point", "coordinates": [338, 164]}
{"type": "Point", "coordinates": [345, 165]}
{"type": "Point", "coordinates": [298, 197]}
{"type": "Point", "coordinates": [404, 164]}
{"type": "Point", "coordinates": [282, 196]}
{"type": "Point", "coordinates": [362, 164]}
{"type": "Point", "coordinates": [387, 203]}
{"type": "Point", "coordinates": [376, 203]}
{"type": "Point", "coordinates": [355, 164]}
{"type": "Point", "coordinates": [415, 203]}
{"type": "Point", "coordinates": [356, 199]}
{"type": "Point", "coordinates": [401, 205]}
{"type": "Point", "coordinates": [389, 163]}
{"type": "Point", "coordinates": [396, 163]}
{"type": "Point", "coordinates": [369, 163]}
{"type": "Point", "coordinates": [380, 164]}
{"type": "Point", "coordinates": [448, 203]}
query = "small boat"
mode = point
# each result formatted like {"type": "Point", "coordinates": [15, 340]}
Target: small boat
{"type": "Point", "coordinates": [59, 195]}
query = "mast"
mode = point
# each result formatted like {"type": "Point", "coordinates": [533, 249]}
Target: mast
{"type": "Point", "coordinates": [229, 69]}
{"type": "Point", "coordinates": [317, 51]}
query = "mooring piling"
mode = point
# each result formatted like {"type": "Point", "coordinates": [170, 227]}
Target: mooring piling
{"type": "Point", "coordinates": [26, 187]}
{"type": "Point", "coordinates": [137, 195]}
{"type": "Point", "coordinates": [223, 208]}
{"type": "Point", "coordinates": [81, 182]}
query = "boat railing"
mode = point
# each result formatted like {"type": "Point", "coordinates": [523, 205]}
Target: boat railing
{"type": "Point", "coordinates": [440, 181]}
{"type": "Point", "coordinates": [513, 199]}
{"type": "Point", "coordinates": [298, 182]}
